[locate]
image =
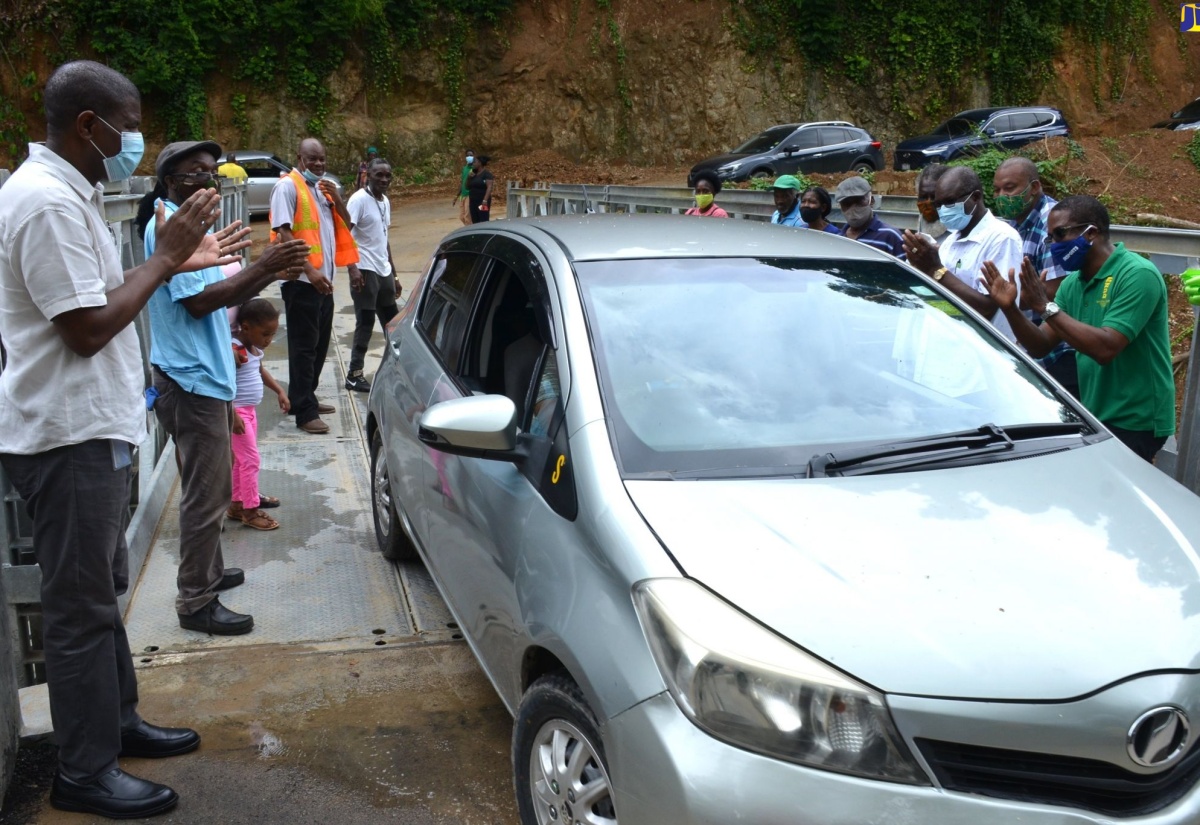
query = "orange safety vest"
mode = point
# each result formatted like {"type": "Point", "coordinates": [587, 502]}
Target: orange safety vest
{"type": "Point", "coordinates": [307, 227]}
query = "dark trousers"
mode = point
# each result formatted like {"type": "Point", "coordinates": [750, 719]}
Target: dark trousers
{"type": "Point", "coordinates": [79, 505]}
{"type": "Point", "coordinates": [200, 426]}
{"type": "Point", "coordinates": [1065, 372]}
{"type": "Point", "coordinates": [376, 299]}
{"type": "Point", "coordinates": [1143, 442]}
{"type": "Point", "coordinates": [309, 326]}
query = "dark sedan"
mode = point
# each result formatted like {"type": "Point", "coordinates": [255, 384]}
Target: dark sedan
{"type": "Point", "coordinates": [976, 130]}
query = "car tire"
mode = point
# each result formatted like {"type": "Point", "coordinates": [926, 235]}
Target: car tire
{"type": "Point", "coordinates": [863, 167]}
{"type": "Point", "coordinates": [390, 535]}
{"type": "Point", "coordinates": [553, 723]}
{"type": "Point", "coordinates": [760, 174]}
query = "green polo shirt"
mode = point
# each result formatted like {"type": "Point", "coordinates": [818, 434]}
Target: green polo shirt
{"type": "Point", "coordinates": [1136, 391]}
{"type": "Point", "coordinates": [462, 186]}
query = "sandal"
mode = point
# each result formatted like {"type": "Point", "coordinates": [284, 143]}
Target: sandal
{"type": "Point", "coordinates": [234, 512]}
{"type": "Point", "coordinates": [267, 502]}
{"type": "Point", "coordinates": [258, 520]}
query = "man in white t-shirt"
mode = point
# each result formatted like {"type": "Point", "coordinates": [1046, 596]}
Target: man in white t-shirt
{"type": "Point", "coordinates": [375, 296]}
{"type": "Point", "coordinates": [976, 236]}
{"type": "Point", "coordinates": [71, 412]}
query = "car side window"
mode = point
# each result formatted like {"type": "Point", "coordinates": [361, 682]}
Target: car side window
{"type": "Point", "coordinates": [261, 168]}
{"type": "Point", "coordinates": [833, 137]}
{"type": "Point", "coordinates": [1023, 120]}
{"type": "Point", "coordinates": [1043, 118]}
{"type": "Point", "coordinates": [1000, 124]}
{"type": "Point", "coordinates": [804, 139]}
{"type": "Point", "coordinates": [446, 306]}
{"type": "Point", "coordinates": [547, 397]}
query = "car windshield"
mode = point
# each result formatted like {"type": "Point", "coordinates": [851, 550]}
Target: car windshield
{"type": "Point", "coordinates": [957, 127]}
{"type": "Point", "coordinates": [764, 142]}
{"type": "Point", "coordinates": [1190, 110]}
{"type": "Point", "coordinates": [716, 364]}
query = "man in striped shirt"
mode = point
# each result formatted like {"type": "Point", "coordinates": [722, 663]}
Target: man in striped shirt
{"type": "Point", "coordinates": [853, 197]}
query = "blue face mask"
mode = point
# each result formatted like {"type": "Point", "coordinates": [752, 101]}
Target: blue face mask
{"type": "Point", "coordinates": [470, 159]}
{"type": "Point", "coordinates": [955, 216]}
{"type": "Point", "coordinates": [1070, 254]}
{"type": "Point", "coordinates": [309, 176]}
{"type": "Point", "coordinates": [122, 165]}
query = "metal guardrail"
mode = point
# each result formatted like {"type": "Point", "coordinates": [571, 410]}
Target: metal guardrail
{"type": "Point", "coordinates": [154, 464]}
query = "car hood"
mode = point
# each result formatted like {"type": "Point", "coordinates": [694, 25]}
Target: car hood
{"type": "Point", "coordinates": [1040, 579]}
{"type": "Point", "coordinates": [925, 141]}
{"type": "Point", "coordinates": [719, 160]}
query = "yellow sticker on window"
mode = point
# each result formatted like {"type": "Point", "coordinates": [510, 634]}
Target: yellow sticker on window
{"type": "Point", "coordinates": [562, 459]}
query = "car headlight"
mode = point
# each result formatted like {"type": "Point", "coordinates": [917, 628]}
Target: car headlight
{"type": "Point", "coordinates": [729, 167]}
{"type": "Point", "coordinates": [936, 150]}
{"type": "Point", "coordinates": [747, 686]}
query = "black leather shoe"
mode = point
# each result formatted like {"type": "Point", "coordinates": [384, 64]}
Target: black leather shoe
{"type": "Point", "coordinates": [116, 795]}
{"type": "Point", "coordinates": [232, 577]}
{"type": "Point", "coordinates": [216, 619]}
{"type": "Point", "coordinates": [148, 741]}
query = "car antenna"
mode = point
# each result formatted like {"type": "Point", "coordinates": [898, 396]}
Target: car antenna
{"type": "Point", "coordinates": [587, 204]}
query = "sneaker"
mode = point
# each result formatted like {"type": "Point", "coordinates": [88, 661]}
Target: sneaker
{"type": "Point", "coordinates": [357, 382]}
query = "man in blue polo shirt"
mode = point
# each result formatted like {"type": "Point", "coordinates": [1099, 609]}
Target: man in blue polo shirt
{"type": "Point", "coordinates": [853, 197]}
{"type": "Point", "coordinates": [191, 349]}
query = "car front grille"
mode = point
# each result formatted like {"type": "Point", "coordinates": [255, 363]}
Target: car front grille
{"type": "Point", "coordinates": [915, 160]}
{"type": "Point", "coordinates": [1057, 780]}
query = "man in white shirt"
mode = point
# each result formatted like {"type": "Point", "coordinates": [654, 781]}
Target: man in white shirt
{"type": "Point", "coordinates": [71, 412]}
{"type": "Point", "coordinates": [375, 295]}
{"type": "Point", "coordinates": [976, 236]}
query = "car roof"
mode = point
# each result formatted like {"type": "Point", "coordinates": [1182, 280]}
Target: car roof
{"type": "Point", "coordinates": [250, 154]}
{"type": "Point", "coordinates": [983, 114]}
{"type": "Point", "coordinates": [630, 237]}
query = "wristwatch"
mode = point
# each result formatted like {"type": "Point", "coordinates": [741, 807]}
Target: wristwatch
{"type": "Point", "coordinates": [1050, 310]}
{"type": "Point", "coordinates": [940, 273]}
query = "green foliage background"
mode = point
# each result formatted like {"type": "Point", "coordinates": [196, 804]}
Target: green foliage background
{"type": "Point", "coordinates": [170, 47]}
{"type": "Point", "coordinates": [923, 54]}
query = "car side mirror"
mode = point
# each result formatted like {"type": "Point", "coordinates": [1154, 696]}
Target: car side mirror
{"type": "Point", "coordinates": [990, 132]}
{"type": "Point", "coordinates": [792, 149]}
{"type": "Point", "coordinates": [478, 426]}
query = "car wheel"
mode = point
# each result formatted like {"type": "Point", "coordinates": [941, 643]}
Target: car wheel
{"type": "Point", "coordinates": [760, 174]}
{"type": "Point", "coordinates": [393, 542]}
{"type": "Point", "coordinates": [863, 167]}
{"type": "Point", "coordinates": [558, 758]}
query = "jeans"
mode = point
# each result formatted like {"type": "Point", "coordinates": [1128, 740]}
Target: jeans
{"type": "Point", "coordinates": [200, 426]}
{"type": "Point", "coordinates": [79, 505]}
{"type": "Point", "coordinates": [377, 298]}
{"type": "Point", "coordinates": [309, 327]}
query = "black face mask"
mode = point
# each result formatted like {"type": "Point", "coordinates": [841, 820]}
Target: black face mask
{"type": "Point", "coordinates": [810, 214]}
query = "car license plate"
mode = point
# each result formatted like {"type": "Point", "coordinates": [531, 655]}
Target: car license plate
{"type": "Point", "coordinates": [904, 167]}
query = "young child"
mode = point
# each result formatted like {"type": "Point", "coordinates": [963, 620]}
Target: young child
{"type": "Point", "coordinates": [258, 321]}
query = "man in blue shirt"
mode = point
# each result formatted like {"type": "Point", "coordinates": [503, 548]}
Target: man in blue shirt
{"type": "Point", "coordinates": [853, 197]}
{"type": "Point", "coordinates": [191, 350]}
{"type": "Point", "coordinates": [786, 191]}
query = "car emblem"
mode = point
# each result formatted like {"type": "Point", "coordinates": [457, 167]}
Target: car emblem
{"type": "Point", "coordinates": [1158, 737]}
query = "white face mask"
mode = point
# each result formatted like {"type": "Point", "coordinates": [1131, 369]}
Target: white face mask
{"type": "Point", "coordinates": [470, 158]}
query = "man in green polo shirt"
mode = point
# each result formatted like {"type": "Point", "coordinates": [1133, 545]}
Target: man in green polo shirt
{"type": "Point", "coordinates": [1112, 308]}
{"type": "Point", "coordinates": [464, 214]}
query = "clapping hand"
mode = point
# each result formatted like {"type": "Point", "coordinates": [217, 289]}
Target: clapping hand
{"type": "Point", "coordinates": [1003, 290]}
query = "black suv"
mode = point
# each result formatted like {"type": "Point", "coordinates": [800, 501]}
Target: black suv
{"type": "Point", "coordinates": [827, 146]}
{"type": "Point", "coordinates": [975, 130]}
{"type": "Point", "coordinates": [1186, 118]}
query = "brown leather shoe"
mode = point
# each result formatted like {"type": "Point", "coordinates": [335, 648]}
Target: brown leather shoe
{"type": "Point", "coordinates": [316, 427]}
{"type": "Point", "coordinates": [325, 409]}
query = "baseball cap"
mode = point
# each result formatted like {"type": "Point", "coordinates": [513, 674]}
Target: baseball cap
{"type": "Point", "coordinates": [786, 182]}
{"type": "Point", "coordinates": [180, 149]}
{"type": "Point", "coordinates": [851, 188]}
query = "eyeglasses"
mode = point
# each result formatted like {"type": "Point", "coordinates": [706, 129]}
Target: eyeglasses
{"type": "Point", "coordinates": [1060, 233]}
{"type": "Point", "coordinates": [200, 177]}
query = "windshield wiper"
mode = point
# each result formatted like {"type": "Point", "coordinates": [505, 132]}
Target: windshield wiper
{"type": "Point", "coordinates": [935, 448]}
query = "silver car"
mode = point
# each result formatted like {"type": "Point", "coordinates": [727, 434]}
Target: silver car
{"type": "Point", "coordinates": [754, 524]}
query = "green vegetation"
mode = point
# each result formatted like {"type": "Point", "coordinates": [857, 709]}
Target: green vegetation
{"type": "Point", "coordinates": [268, 46]}
{"type": "Point", "coordinates": [925, 54]}
{"type": "Point", "coordinates": [1193, 149]}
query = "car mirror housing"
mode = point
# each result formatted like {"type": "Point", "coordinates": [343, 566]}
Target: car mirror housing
{"type": "Point", "coordinates": [791, 149]}
{"type": "Point", "coordinates": [480, 426]}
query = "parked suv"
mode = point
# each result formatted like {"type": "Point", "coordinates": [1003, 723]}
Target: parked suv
{"type": "Point", "coordinates": [975, 130]}
{"type": "Point", "coordinates": [827, 146]}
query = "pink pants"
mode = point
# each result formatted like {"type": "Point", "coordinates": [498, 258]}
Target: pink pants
{"type": "Point", "coordinates": [246, 460]}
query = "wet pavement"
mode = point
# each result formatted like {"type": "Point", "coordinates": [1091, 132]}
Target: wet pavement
{"type": "Point", "coordinates": [354, 699]}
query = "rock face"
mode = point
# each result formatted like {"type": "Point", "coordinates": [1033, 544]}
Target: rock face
{"type": "Point", "coordinates": [665, 82]}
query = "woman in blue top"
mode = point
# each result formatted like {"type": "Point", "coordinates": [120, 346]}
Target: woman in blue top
{"type": "Point", "coordinates": [815, 206]}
